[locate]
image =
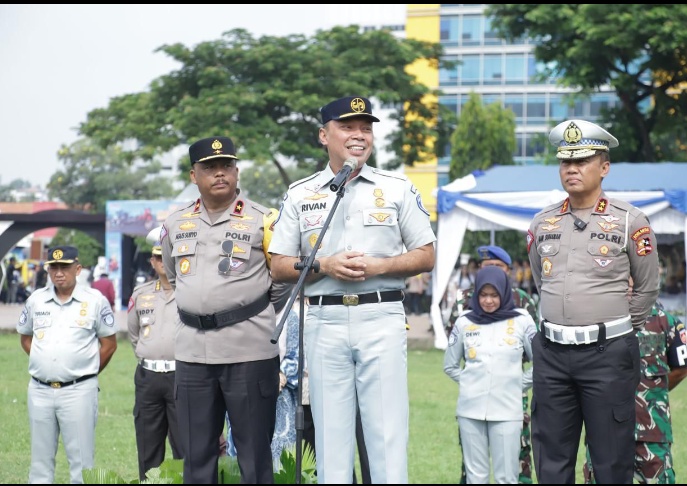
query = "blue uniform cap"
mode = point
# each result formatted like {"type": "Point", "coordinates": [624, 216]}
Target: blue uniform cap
{"type": "Point", "coordinates": [492, 252]}
{"type": "Point", "coordinates": [347, 107]}
{"type": "Point", "coordinates": [63, 254]}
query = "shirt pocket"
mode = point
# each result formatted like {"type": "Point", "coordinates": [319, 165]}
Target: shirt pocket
{"type": "Point", "coordinates": [604, 259]}
{"type": "Point", "coordinates": [382, 234]}
{"type": "Point", "coordinates": [311, 225]}
{"type": "Point", "coordinates": [41, 322]}
{"type": "Point", "coordinates": [83, 322]}
{"type": "Point", "coordinates": [547, 251]}
{"type": "Point", "coordinates": [184, 254]}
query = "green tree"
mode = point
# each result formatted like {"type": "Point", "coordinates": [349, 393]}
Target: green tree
{"type": "Point", "coordinates": [266, 92]}
{"type": "Point", "coordinates": [262, 183]}
{"type": "Point", "coordinates": [89, 248]}
{"type": "Point", "coordinates": [484, 136]}
{"type": "Point", "coordinates": [639, 50]}
{"type": "Point", "coordinates": [91, 176]}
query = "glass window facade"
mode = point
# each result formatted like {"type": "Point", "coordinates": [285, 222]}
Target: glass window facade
{"type": "Point", "coordinates": [507, 72]}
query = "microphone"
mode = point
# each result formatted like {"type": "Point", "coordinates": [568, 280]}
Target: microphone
{"type": "Point", "coordinates": [349, 165]}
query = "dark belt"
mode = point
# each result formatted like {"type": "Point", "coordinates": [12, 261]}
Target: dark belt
{"type": "Point", "coordinates": [60, 384]}
{"type": "Point", "coordinates": [227, 318]}
{"type": "Point", "coordinates": [357, 299]}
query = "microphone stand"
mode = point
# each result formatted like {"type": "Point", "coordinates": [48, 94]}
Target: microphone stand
{"type": "Point", "coordinates": [305, 265]}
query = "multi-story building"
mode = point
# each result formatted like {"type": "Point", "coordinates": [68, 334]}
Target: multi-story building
{"type": "Point", "coordinates": [499, 71]}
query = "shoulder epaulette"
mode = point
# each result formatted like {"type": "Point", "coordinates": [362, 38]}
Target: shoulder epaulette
{"type": "Point", "coordinates": [304, 180]}
{"type": "Point", "coordinates": [143, 286]}
{"type": "Point", "coordinates": [389, 173]}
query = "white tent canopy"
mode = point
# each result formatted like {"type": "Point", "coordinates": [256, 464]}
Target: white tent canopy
{"type": "Point", "coordinates": [508, 197]}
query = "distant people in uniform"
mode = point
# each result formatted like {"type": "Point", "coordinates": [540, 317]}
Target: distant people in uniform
{"type": "Point", "coordinates": [12, 277]}
{"type": "Point", "coordinates": [582, 252]}
{"type": "Point", "coordinates": [484, 345]}
{"type": "Point", "coordinates": [40, 277]}
{"type": "Point", "coordinates": [106, 287]}
{"type": "Point", "coordinates": [355, 337]}
{"type": "Point", "coordinates": [492, 255]}
{"type": "Point", "coordinates": [663, 354]}
{"type": "Point", "coordinates": [152, 322]}
{"type": "Point", "coordinates": [69, 333]}
{"type": "Point", "coordinates": [215, 256]}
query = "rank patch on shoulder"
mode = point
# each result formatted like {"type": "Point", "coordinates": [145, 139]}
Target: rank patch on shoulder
{"type": "Point", "coordinates": [238, 207]}
{"type": "Point", "coordinates": [644, 246]}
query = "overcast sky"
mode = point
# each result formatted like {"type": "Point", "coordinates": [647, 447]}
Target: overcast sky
{"type": "Point", "coordinates": [58, 62]}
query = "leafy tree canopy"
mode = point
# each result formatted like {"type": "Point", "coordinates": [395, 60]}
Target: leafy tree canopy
{"type": "Point", "coordinates": [91, 176]}
{"type": "Point", "coordinates": [639, 50]}
{"type": "Point", "coordinates": [484, 136]}
{"type": "Point", "coordinates": [266, 92]}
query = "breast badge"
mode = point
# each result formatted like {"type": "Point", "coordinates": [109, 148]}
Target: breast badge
{"type": "Point", "coordinates": [472, 354]}
{"type": "Point", "coordinates": [184, 266]}
{"type": "Point", "coordinates": [187, 225]}
{"type": "Point", "coordinates": [312, 239]}
{"type": "Point", "coordinates": [40, 334]}
{"type": "Point", "coordinates": [546, 267]}
{"type": "Point", "coordinates": [146, 331]}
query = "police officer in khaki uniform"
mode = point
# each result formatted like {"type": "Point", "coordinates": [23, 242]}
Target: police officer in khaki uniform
{"type": "Point", "coordinates": [582, 252]}
{"type": "Point", "coordinates": [69, 333]}
{"type": "Point", "coordinates": [215, 256]}
{"type": "Point", "coordinates": [355, 337]}
{"type": "Point", "coordinates": [152, 323]}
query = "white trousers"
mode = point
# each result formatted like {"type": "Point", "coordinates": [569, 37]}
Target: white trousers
{"type": "Point", "coordinates": [71, 411]}
{"type": "Point", "coordinates": [502, 438]}
{"type": "Point", "coordinates": [359, 349]}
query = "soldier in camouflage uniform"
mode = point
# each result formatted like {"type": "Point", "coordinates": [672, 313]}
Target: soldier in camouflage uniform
{"type": "Point", "coordinates": [495, 255]}
{"type": "Point", "coordinates": [664, 365]}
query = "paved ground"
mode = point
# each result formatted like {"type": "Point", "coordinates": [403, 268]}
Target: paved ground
{"type": "Point", "coordinates": [419, 335]}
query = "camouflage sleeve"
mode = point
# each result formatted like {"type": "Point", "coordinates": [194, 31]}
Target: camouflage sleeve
{"type": "Point", "coordinates": [524, 301]}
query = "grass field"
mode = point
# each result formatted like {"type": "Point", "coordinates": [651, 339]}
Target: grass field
{"type": "Point", "coordinates": [433, 453]}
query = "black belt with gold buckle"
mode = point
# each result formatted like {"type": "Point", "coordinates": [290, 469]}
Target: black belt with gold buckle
{"type": "Point", "coordinates": [357, 299]}
{"type": "Point", "coordinates": [62, 384]}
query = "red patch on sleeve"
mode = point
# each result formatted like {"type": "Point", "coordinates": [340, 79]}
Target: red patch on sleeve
{"type": "Point", "coordinates": [530, 240]}
{"type": "Point", "coordinates": [131, 304]}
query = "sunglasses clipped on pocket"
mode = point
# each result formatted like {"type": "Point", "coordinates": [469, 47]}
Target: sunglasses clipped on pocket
{"type": "Point", "coordinates": [226, 263]}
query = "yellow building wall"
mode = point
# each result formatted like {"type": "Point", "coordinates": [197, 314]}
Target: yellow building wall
{"type": "Point", "coordinates": [422, 23]}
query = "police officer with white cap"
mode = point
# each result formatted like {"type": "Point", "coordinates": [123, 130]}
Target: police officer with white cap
{"type": "Point", "coordinates": [215, 256]}
{"type": "Point", "coordinates": [152, 323]}
{"type": "Point", "coordinates": [69, 333]}
{"type": "Point", "coordinates": [582, 252]}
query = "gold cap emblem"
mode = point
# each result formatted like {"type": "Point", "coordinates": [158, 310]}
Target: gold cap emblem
{"type": "Point", "coordinates": [57, 255]}
{"type": "Point", "coordinates": [216, 146]}
{"type": "Point", "coordinates": [357, 105]}
{"type": "Point", "coordinates": [572, 134]}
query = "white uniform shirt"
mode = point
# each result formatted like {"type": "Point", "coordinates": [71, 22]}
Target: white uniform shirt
{"type": "Point", "coordinates": [65, 342]}
{"type": "Point", "coordinates": [491, 380]}
{"type": "Point", "coordinates": [379, 214]}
